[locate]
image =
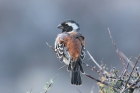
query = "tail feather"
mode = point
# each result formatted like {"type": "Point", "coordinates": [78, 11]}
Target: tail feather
{"type": "Point", "coordinates": [76, 78]}
{"type": "Point", "coordinates": [76, 67]}
{"type": "Point", "coordinates": [80, 65]}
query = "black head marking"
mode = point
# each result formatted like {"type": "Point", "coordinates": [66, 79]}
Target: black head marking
{"type": "Point", "coordinates": [69, 25]}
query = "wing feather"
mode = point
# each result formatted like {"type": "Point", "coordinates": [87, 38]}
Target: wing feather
{"type": "Point", "coordinates": [61, 50]}
{"type": "Point", "coordinates": [83, 53]}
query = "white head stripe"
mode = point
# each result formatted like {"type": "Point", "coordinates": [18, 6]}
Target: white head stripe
{"type": "Point", "coordinates": [74, 26]}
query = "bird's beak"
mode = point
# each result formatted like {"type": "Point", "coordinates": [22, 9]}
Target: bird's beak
{"type": "Point", "coordinates": [60, 26]}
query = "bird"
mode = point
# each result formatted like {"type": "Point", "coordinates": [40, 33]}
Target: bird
{"type": "Point", "coordinates": [70, 49]}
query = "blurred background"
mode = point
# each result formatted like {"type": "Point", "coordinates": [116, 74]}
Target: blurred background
{"type": "Point", "coordinates": [26, 25]}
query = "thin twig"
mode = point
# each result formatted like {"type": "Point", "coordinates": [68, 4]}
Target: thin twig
{"type": "Point", "coordinates": [78, 90]}
{"type": "Point", "coordinates": [117, 50]}
{"type": "Point", "coordinates": [92, 68]}
{"type": "Point", "coordinates": [50, 47]}
{"type": "Point", "coordinates": [32, 89]}
{"type": "Point", "coordinates": [51, 83]}
{"type": "Point", "coordinates": [62, 67]}
{"type": "Point", "coordinates": [92, 89]}
{"type": "Point", "coordinates": [124, 71]}
{"type": "Point", "coordinates": [127, 60]}
{"type": "Point", "coordinates": [94, 61]}
{"type": "Point", "coordinates": [130, 85]}
{"type": "Point", "coordinates": [97, 80]}
{"type": "Point", "coordinates": [132, 70]}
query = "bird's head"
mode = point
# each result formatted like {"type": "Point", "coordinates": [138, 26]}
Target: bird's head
{"type": "Point", "coordinates": [68, 26]}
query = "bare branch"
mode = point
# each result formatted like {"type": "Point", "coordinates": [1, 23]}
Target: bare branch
{"type": "Point", "coordinates": [32, 89]}
{"type": "Point", "coordinates": [61, 67]}
{"type": "Point", "coordinates": [130, 85]}
{"type": "Point", "coordinates": [127, 60]}
{"type": "Point", "coordinates": [96, 63]}
{"type": "Point", "coordinates": [97, 80]}
{"type": "Point", "coordinates": [92, 68]}
{"type": "Point", "coordinates": [50, 84]}
{"type": "Point", "coordinates": [50, 47]}
{"type": "Point", "coordinates": [132, 70]}
{"type": "Point", "coordinates": [78, 90]}
{"type": "Point", "coordinates": [94, 60]}
{"type": "Point", "coordinates": [117, 50]}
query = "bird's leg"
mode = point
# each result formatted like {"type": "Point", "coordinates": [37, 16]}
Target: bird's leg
{"type": "Point", "coordinates": [69, 66]}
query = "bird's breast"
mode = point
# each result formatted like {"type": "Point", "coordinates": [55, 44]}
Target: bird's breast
{"type": "Point", "coordinates": [73, 46]}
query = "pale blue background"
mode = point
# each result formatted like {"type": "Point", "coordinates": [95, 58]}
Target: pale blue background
{"type": "Point", "coordinates": [26, 25]}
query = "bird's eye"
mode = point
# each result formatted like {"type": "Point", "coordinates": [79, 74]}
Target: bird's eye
{"type": "Point", "coordinates": [63, 24]}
